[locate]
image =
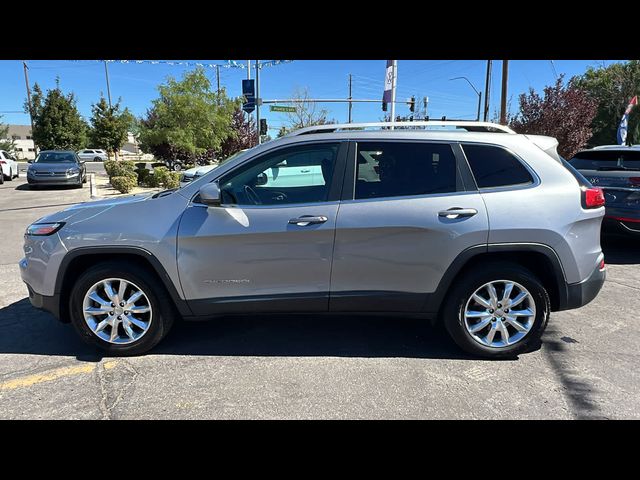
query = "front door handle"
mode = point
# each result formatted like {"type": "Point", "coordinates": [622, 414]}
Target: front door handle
{"type": "Point", "coordinates": [457, 212]}
{"type": "Point", "coordinates": [307, 220]}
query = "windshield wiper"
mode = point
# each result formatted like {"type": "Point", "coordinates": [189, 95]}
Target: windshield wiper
{"type": "Point", "coordinates": [619, 167]}
{"type": "Point", "coordinates": [163, 193]}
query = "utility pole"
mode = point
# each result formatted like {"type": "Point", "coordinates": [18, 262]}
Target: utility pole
{"type": "Point", "coordinates": [258, 101]}
{"type": "Point", "coordinates": [350, 96]}
{"type": "Point", "coordinates": [106, 72]}
{"type": "Point", "coordinates": [26, 81]}
{"type": "Point", "coordinates": [425, 102]}
{"type": "Point", "coordinates": [487, 90]}
{"type": "Point", "coordinates": [394, 82]}
{"type": "Point", "coordinates": [503, 100]}
{"type": "Point", "coordinates": [218, 78]}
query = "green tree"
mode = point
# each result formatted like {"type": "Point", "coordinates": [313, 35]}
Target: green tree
{"type": "Point", "coordinates": [57, 124]}
{"type": "Point", "coordinates": [6, 143]}
{"type": "Point", "coordinates": [188, 121]}
{"type": "Point", "coordinates": [109, 126]}
{"type": "Point", "coordinates": [612, 87]}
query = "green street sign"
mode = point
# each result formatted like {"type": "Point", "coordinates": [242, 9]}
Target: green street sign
{"type": "Point", "coordinates": [281, 108]}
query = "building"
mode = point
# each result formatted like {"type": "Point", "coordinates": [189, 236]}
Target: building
{"type": "Point", "coordinates": [24, 146]}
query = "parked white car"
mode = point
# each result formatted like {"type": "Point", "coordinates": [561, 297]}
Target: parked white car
{"type": "Point", "coordinates": [93, 155]}
{"type": "Point", "coordinates": [9, 166]}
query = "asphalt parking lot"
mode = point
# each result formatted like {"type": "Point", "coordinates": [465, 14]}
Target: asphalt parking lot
{"type": "Point", "coordinates": [299, 367]}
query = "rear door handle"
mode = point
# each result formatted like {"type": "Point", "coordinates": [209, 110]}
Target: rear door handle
{"type": "Point", "coordinates": [307, 220]}
{"type": "Point", "coordinates": [457, 212]}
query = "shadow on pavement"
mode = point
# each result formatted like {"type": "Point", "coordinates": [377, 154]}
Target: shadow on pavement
{"type": "Point", "coordinates": [578, 392]}
{"type": "Point", "coordinates": [620, 250]}
{"type": "Point", "coordinates": [26, 330]}
{"type": "Point", "coordinates": [26, 186]}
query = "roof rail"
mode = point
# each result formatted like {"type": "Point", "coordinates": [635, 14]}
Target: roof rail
{"type": "Point", "coordinates": [462, 124]}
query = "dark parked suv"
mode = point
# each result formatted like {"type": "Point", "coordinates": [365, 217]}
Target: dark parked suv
{"type": "Point", "coordinates": [486, 232]}
{"type": "Point", "coordinates": [615, 169]}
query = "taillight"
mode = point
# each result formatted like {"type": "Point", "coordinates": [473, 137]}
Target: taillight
{"type": "Point", "coordinates": [592, 197]}
{"type": "Point", "coordinates": [2, 162]}
{"type": "Point", "coordinates": [634, 181]}
{"type": "Point", "coordinates": [602, 265]}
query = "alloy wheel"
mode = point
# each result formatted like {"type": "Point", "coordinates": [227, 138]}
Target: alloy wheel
{"type": "Point", "coordinates": [499, 313]}
{"type": "Point", "coordinates": [117, 311]}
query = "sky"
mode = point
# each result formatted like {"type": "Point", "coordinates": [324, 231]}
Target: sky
{"type": "Point", "coordinates": [136, 84]}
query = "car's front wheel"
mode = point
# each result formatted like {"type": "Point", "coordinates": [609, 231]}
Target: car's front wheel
{"type": "Point", "coordinates": [120, 308]}
{"type": "Point", "coordinates": [496, 311]}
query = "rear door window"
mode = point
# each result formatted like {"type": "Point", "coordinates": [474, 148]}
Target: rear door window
{"type": "Point", "coordinates": [396, 169]}
{"type": "Point", "coordinates": [494, 166]}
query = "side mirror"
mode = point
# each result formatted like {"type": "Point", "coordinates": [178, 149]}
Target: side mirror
{"type": "Point", "coordinates": [210, 194]}
{"type": "Point", "coordinates": [262, 179]}
{"type": "Point", "coordinates": [29, 161]}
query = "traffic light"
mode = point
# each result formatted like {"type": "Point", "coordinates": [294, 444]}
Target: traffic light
{"type": "Point", "coordinates": [263, 126]}
{"type": "Point", "coordinates": [384, 106]}
{"type": "Point", "coordinates": [412, 104]}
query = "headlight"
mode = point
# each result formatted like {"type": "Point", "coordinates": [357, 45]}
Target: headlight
{"type": "Point", "coordinates": [73, 171]}
{"type": "Point", "coordinates": [43, 229]}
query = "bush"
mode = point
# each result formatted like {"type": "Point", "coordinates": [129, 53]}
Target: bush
{"type": "Point", "coordinates": [123, 184]}
{"type": "Point", "coordinates": [143, 176]}
{"type": "Point", "coordinates": [172, 180]}
{"type": "Point", "coordinates": [121, 168]}
{"type": "Point", "coordinates": [162, 177]}
{"type": "Point", "coordinates": [109, 165]}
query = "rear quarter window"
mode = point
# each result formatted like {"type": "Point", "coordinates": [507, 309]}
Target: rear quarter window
{"type": "Point", "coordinates": [495, 166]}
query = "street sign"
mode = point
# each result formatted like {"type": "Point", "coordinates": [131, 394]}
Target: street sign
{"type": "Point", "coordinates": [281, 108]}
{"type": "Point", "coordinates": [249, 92]}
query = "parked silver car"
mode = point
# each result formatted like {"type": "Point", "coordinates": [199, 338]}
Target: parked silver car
{"type": "Point", "coordinates": [56, 167]}
{"type": "Point", "coordinates": [485, 232]}
{"type": "Point", "coordinates": [93, 155]}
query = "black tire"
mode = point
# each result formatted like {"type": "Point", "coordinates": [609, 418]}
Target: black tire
{"type": "Point", "coordinates": [1, 178]}
{"type": "Point", "coordinates": [97, 159]}
{"type": "Point", "coordinates": [465, 286]}
{"type": "Point", "coordinates": [163, 310]}
{"type": "Point", "coordinates": [10, 175]}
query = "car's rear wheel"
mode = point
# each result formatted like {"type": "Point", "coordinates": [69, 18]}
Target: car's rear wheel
{"type": "Point", "coordinates": [97, 159]}
{"type": "Point", "coordinates": [122, 309]}
{"type": "Point", "coordinates": [497, 311]}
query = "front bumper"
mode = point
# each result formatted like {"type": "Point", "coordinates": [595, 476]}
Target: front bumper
{"type": "Point", "coordinates": [579, 294]}
{"type": "Point", "coordinates": [42, 302]}
{"type": "Point", "coordinates": [42, 180]}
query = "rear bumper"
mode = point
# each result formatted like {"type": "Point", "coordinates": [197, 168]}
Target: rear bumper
{"type": "Point", "coordinates": [626, 222]}
{"type": "Point", "coordinates": [579, 294]}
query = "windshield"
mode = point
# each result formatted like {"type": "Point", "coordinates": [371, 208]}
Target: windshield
{"type": "Point", "coordinates": [606, 160]}
{"type": "Point", "coordinates": [231, 157]}
{"type": "Point", "coordinates": [56, 157]}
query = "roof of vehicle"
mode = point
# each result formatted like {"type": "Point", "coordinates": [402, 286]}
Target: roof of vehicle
{"type": "Point", "coordinates": [464, 125]}
{"type": "Point", "coordinates": [613, 147]}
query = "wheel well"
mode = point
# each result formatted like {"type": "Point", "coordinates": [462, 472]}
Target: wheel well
{"type": "Point", "coordinates": [537, 263]}
{"type": "Point", "coordinates": [81, 263]}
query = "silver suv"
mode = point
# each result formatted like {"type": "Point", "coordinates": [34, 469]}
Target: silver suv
{"type": "Point", "coordinates": [480, 228]}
